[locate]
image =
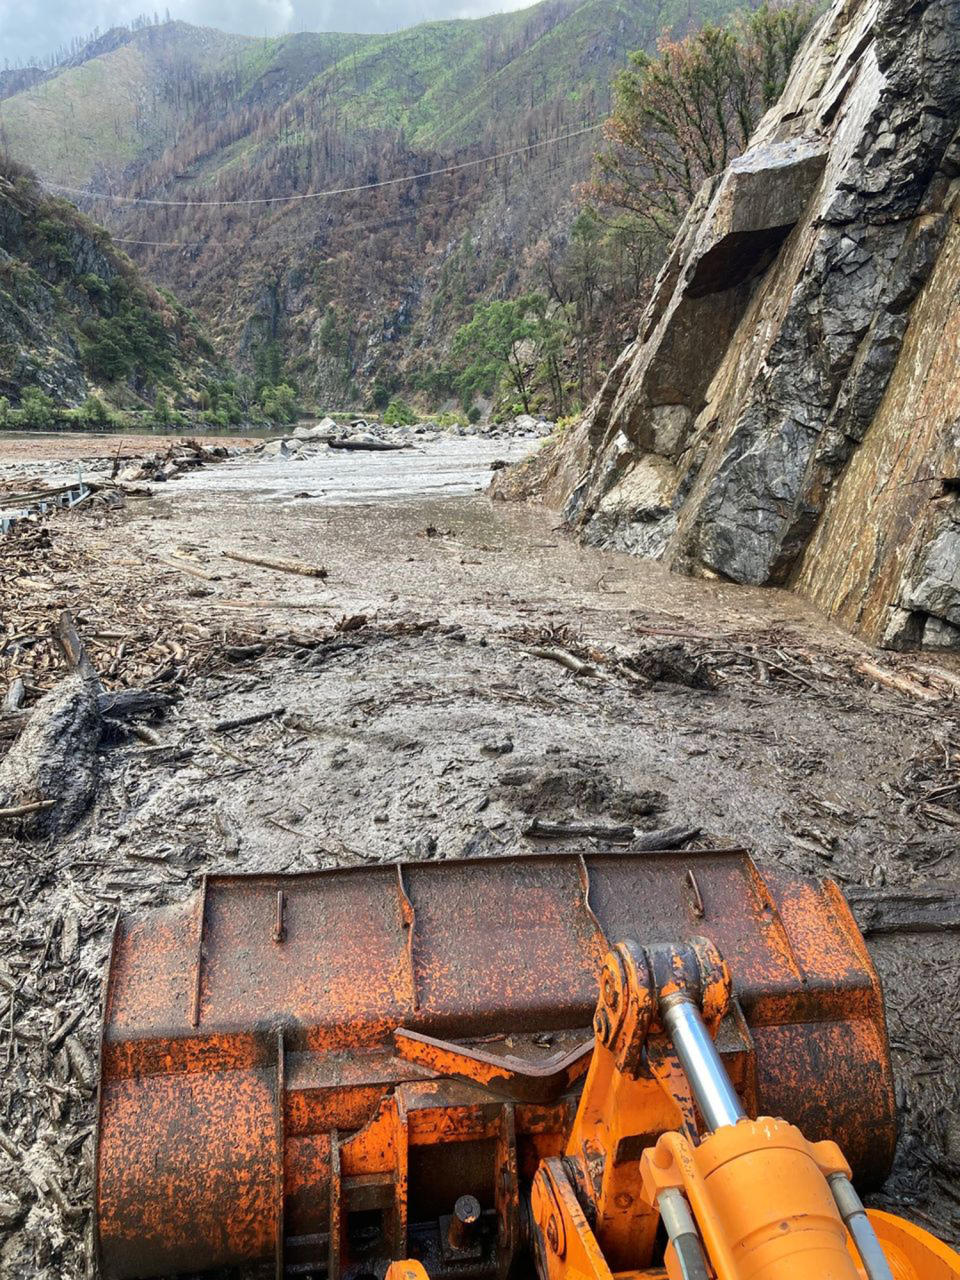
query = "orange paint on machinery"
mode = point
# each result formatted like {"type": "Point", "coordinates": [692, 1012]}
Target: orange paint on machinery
{"type": "Point", "coordinates": [323, 1094]}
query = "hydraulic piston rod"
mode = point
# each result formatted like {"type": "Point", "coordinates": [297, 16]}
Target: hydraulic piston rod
{"type": "Point", "coordinates": [714, 1094]}
{"type": "Point", "coordinates": [720, 1107]}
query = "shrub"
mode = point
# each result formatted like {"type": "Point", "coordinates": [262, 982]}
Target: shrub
{"type": "Point", "coordinates": [131, 342]}
{"type": "Point", "coordinates": [161, 411]}
{"type": "Point", "coordinates": [380, 396]}
{"type": "Point", "coordinates": [279, 403]}
{"type": "Point", "coordinates": [96, 287]}
{"type": "Point", "coordinates": [36, 409]}
{"type": "Point", "coordinates": [94, 412]}
{"type": "Point", "coordinates": [399, 414]}
{"type": "Point", "coordinates": [474, 415]}
{"type": "Point", "coordinates": [4, 411]}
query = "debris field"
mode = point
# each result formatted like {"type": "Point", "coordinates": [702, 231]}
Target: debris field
{"type": "Point", "coordinates": [191, 687]}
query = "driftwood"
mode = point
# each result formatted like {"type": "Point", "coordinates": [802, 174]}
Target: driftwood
{"type": "Point", "coordinates": [122, 705]}
{"type": "Point", "coordinates": [13, 699]}
{"type": "Point", "coordinates": [924, 909]}
{"type": "Point", "coordinates": [897, 681]}
{"type": "Point", "coordinates": [559, 830]}
{"type": "Point", "coordinates": [369, 444]}
{"type": "Point", "coordinates": [668, 838]}
{"type": "Point", "coordinates": [243, 722]}
{"type": "Point", "coordinates": [65, 634]}
{"type": "Point", "coordinates": [21, 810]}
{"type": "Point", "coordinates": [182, 566]}
{"type": "Point", "coordinates": [282, 566]}
{"type": "Point", "coordinates": [568, 660]}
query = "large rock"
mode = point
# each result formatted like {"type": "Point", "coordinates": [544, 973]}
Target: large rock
{"type": "Point", "coordinates": [786, 411]}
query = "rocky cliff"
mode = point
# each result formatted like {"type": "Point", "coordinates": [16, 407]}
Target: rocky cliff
{"type": "Point", "coordinates": [790, 410]}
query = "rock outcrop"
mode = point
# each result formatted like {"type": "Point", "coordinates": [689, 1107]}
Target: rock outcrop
{"type": "Point", "coordinates": [790, 411]}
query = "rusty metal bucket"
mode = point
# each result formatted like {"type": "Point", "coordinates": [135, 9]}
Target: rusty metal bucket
{"type": "Point", "coordinates": [311, 1069]}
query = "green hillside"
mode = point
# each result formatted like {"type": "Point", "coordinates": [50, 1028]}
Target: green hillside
{"type": "Point", "coordinates": [113, 110]}
{"type": "Point", "coordinates": [77, 319]}
{"type": "Point", "coordinates": [347, 295]}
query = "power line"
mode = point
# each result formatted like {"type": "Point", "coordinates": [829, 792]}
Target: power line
{"type": "Point", "coordinates": [367, 225]}
{"type": "Point", "coordinates": [334, 191]}
{"type": "Point", "coordinates": [375, 224]}
{"type": "Point", "coordinates": [161, 244]}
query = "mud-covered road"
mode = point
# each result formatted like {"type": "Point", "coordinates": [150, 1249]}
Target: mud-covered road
{"type": "Point", "coordinates": [414, 715]}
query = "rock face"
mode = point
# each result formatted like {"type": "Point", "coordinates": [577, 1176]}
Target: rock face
{"type": "Point", "coordinates": [790, 411]}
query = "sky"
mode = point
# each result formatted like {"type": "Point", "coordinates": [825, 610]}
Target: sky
{"type": "Point", "coordinates": [31, 29]}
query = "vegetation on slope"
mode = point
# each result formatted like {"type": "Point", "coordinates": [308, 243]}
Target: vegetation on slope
{"type": "Point", "coordinates": [78, 324]}
{"type": "Point", "coordinates": [356, 299]}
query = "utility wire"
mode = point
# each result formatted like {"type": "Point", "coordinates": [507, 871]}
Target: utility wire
{"type": "Point", "coordinates": [334, 191]}
{"type": "Point", "coordinates": [376, 224]}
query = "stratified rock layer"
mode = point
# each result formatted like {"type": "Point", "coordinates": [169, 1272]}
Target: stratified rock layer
{"type": "Point", "coordinates": [788, 413]}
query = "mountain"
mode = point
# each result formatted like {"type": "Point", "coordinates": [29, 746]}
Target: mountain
{"type": "Point", "coordinates": [76, 316]}
{"type": "Point", "coordinates": [788, 414]}
{"type": "Point", "coordinates": [363, 290]}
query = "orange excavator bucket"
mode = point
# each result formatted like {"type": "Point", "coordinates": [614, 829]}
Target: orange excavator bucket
{"type": "Point", "coordinates": [330, 1072]}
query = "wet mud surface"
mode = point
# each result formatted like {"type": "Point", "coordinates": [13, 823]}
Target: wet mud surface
{"type": "Point", "coordinates": [413, 716]}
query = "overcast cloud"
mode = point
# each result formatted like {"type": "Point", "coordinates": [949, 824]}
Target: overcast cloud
{"type": "Point", "coordinates": [31, 29]}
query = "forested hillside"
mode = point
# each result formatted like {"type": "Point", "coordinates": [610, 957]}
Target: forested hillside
{"type": "Point", "coordinates": [356, 296]}
{"type": "Point", "coordinates": [79, 326]}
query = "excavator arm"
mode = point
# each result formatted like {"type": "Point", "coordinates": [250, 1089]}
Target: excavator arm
{"type": "Point", "coordinates": [724, 1197]}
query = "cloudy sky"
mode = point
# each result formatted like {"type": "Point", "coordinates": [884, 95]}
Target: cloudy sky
{"type": "Point", "coordinates": [30, 29]}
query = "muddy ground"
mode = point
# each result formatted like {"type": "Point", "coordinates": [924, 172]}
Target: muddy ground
{"type": "Point", "coordinates": [411, 719]}
{"type": "Point", "coordinates": [20, 448]}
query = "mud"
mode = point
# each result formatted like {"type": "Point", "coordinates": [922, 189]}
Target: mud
{"type": "Point", "coordinates": [43, 447]}
{"type": "Point", "coordinates": [426, 728]}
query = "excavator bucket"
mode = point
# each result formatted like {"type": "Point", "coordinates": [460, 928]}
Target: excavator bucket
{"type": "Point", "coordinates": [329, 1071]}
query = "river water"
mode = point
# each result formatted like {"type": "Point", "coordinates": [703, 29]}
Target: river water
{"type": "Point", "coordinates": [449, 466]}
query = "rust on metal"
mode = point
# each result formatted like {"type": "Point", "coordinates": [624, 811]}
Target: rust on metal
{"type": "Point", "coordinates": [421, 1034]}
{"type": "Point", "coordinates": [198, 955]}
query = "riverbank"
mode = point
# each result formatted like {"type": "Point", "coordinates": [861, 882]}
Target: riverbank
{"type": "Point", "coordinates": [461, 669]}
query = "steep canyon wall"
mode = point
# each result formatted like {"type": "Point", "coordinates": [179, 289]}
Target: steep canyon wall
{"type": "Point", "coordinates": [790, 411]}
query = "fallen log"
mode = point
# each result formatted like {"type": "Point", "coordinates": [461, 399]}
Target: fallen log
{"type": "Point", "coordinates": [896, 681]}
{"type": "Point", "coordinates": [560, 830]}
{"type": "Point", "coordinates": [568, 660]}
{"type": "Point", "coordinates": [924, 909]}
{"type": "Point", "coordinates": [282, 566]}
{"type": "Point", "coordinates": [667, 838]}
{"type": "Point", "coordinates": [939, 677]}
{"type": "Point", "coordinates": [54, 762]}
{"type": "Point", "coordinates": [368, 444]}
{"type": "Point", "coordinates": [124, 704]}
